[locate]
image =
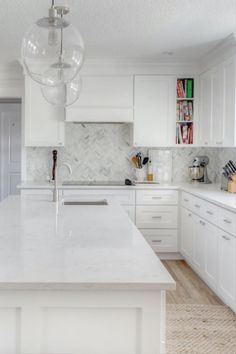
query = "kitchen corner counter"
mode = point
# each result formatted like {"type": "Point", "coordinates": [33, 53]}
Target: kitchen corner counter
{"type": "Point", "coordinates": [211, 193]}
{"type": "Point", "coordinates": [48, 246]}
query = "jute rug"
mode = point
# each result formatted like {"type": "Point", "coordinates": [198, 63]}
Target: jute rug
{"type": "Point", "coordinates": [200, 329]}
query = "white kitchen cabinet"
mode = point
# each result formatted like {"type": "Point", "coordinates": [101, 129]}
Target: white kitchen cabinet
{"type": "Point", "coordinates": [227, 268]}
{"type": "Point", "coordinates": [161, 240]}
{"type": "Point", "coordinates": [43, 123]}
{"type": "Point", "coordinates": [198, 244]}
{"type": "Point", "coordinates": [103, 99]}
{"type": "Point", "coordinates": [210, 235]}
{"type": "Point", "coordinates": [157, 197]}
{"type": "Point", "coordinates": [158, 216]}
{"type": "Point", "coordinates": [154, 110]}
{"type": "Point", "coordinates": [205, 109]}
{"type": "Point", "coordinates": [217, 121]}
{"type": "Point", "coordinates": [186, 233]}
{"type": "Point", "coordinates": [229, 102]}
{"type": "Point", "coordinates": [214, 244]}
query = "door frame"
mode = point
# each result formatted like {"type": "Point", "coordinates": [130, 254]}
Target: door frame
{"type": "Point", "coordinates": [8, 102]}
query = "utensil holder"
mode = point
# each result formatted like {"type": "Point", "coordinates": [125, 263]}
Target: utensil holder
{"type": "Point", "coordinates": [232, 187]}
{"type": "Point", "coordinates": [140, 174]}
{"type": "Point", "coordinates": [232, 184]}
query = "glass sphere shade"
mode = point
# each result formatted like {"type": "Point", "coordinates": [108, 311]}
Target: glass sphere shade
{"type": "Point", "coordinates": [53, 54]}
{"type": "Point", "coordinates": [63, 95]}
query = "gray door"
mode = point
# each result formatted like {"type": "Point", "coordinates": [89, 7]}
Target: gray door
{"type": "Point", "coordinates": [10, 151]}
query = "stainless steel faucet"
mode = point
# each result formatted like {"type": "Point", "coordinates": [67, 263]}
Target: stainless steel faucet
{"type": "Point", "coordinates": [56, 168]}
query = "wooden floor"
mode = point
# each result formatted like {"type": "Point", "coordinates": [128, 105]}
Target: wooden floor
{"type": "Point", "coordinates": [190, 289]}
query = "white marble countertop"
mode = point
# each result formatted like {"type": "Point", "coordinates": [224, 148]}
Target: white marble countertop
{"type": "Point", "coordinates": [212, 193]}
{"type": "Point", "coordinates": [49, 186]}
{"type": "Point", "coordinates": [43, 246]}
{"type": "Point", "coordinates": [209, 192]}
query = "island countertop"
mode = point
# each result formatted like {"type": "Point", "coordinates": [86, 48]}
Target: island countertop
{"type": "Point", "coordinates": [44, 245]}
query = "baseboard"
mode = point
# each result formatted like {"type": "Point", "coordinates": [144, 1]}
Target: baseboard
{"type": "Point", "coordinates": [170, 255]}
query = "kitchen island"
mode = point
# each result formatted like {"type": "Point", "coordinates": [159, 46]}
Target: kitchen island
{"type": "Point", "coordinates": [78, 280]}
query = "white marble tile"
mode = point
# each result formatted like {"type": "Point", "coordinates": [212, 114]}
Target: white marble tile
{"type": "Point", "coordinates": [103, 151]}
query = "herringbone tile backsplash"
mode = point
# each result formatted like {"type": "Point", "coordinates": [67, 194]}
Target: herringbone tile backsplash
{"type": "Point", "coordinates": [102, 152]}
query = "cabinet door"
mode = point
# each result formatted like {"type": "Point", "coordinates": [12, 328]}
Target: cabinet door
{"type": "Point", "coordinates": [44, 123]}
{"type": "Point", "coordinates": [154, 104]}
{"type": "Point", "coordinates": [227, 262]}
{"type": "Point", "coordinates": [198, 243]}
{"type": "Point", "coordinates": [217, 123]}
{"type": "Point", "coordinates": [186, 233]}
{"type": "Point", "coordinates": [210, 233]}
{"type": "Point", "coordinates": [205, 109]}
{"type": "Point", "coordinates": [229, 100]}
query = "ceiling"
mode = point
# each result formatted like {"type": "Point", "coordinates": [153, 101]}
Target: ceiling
{"type": "Point", "coordinates": [133, 30]}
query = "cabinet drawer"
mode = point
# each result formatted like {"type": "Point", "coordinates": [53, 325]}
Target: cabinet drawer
{"type": "Point", "coordinates": [186, 200]}
{"type": "Point", "coordinates": [156, 197]}
{"type": "Point", "coordinates": [210, 212]}
{"type": "Point", "coordinates": [197, 206]}
{"type": "Point", "coordinates": [161, 240]}
{"type": "Point", "coordinates": [159, 217]}
{"type": "Point", "coordinates": [123, 197]}
{"type": "Point", "coordinates": [227, 221]}
{"type": "Point", "coordinates": [192, 203]}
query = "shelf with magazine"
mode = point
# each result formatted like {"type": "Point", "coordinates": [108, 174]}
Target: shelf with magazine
{"type": "Point", "coordinates": [184, 111]}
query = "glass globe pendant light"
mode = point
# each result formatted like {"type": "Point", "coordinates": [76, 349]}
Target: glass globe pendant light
{"type": "Point", "coordinates": [53, 50]}
{"type": "Point", "coordinates": [63, 95]}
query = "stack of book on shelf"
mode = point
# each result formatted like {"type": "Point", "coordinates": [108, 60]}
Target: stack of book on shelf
{"type": "Point", "coordinates": [184, 133]}
{"type": "Point", "coordinates": [185, 88]}
{"type": "Point", "coordinates": [184, 111]}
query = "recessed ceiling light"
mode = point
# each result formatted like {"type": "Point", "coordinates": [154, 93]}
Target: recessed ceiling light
{"type": "Point", "coordinates": [167, 53]}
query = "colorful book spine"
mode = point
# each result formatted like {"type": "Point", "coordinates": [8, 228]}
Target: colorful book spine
{"type": "Point", "coordinates": [180, 89]}
{"type": "Point", "coordinates": [190, 108]}
{"type": "Point", "coordinates": [189, 88]}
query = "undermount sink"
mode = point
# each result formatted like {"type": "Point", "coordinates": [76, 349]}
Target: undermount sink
{"type": "Point", "coordinates": [76, 202]}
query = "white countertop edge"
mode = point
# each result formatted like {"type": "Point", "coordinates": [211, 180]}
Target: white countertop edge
{"type": "Point", "coordinates": [211, 193]}
{"type": "Point", "coordinates": [89, 286]}
{"type": "Point", "coordinates": [221, 198]}
{"type": "Point", "coordinates": [50, 186]}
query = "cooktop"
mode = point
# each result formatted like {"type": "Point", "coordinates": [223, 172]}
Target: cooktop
{"type": "Point", "coordinates": [93, 183]}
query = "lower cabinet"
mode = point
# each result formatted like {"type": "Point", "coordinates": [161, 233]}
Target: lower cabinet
{"type": "Point", "coordinates": [210, 233]}
{"type": "Point", "coordinates": [187, 233]}
{"type": "Point", "coordinates": [161, 240]}
{"type": "Point", "coordinates": [157, 218]}
{"type": "Point", "coordinates": [227, 267]}
{"type": "Point", "coordinates": [198, 243]}
{"type": "Point", "coordinates": [210, 249]}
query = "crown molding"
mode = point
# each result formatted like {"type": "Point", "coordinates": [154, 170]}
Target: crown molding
{"type": "Point", "coordinates": [104, 67]}
{"type": "Point", "coordinates": [224, 50]}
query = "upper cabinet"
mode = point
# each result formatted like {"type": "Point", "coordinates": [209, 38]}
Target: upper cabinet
{"type": "Point", "coordinates": [103, 99]}
{"type": "Point", "coordinates": [217, 119]}
{"type": "Point", "coordinates": [44, 123]}
{"type": "Point", "coordinates": [229, 102]}
{"type": "Point", "coordinates": [154, 110]}
{"type": "Point", "coordinates": [205, 109]}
